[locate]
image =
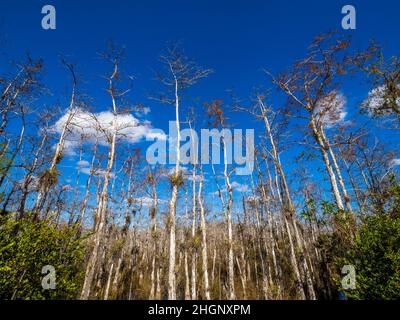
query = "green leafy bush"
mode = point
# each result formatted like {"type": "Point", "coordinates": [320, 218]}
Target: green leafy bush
{"type": "Point", "coordinates": [27, 246]}
{"type": "Point", "coordinates": [376, 258]}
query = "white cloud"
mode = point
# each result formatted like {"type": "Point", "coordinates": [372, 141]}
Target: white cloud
{"type": "Point", "coordinates": [330, 110]}
{"type": "Point", "coordinates": [240, 187]}
{"type": "Point", "coordinates": [377, 103]}
{"type": "Point", "coordinates": [197, 178]}
{"type": "Point", "coordinates": [156, 134]}
{"type": "Point", "coordinates": [236, 186]}
{"type": "Point", "coordinates": [69, 148]}
{"type": "Point", "coordinates": [33, 183]}
{"type": "Point", "coordinates": [394, 162]}
{"type": "Point", "coordinates": [148, 202]}
{"type": "Point", "coordinates": [182, 170]}
{"type": "Point", "coordinates": [253, 199]}
{"type": "Point", "coordinates": [66, 187]}
{"type": "Point", "coordinates": [82, 163]}
{"type": "Point", "coordinates": [96, 172]}
{"type": "Point", "coordinates": [92, 127]}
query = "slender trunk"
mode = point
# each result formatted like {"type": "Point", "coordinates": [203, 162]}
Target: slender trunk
{"type": "Point", "coordinates": [338, 173]}
{"type": "Point", "coordinates": [152, 277]}
{"type": "Point", "coordinates": [10, 103]}
{"type": "Point", "coordinates": [288, 207]}
{"type": "Point", "coordinates": [72, 213]}
{"type": "Point", "coordinates": [328, 166]}
{"type": "Point", "coordinates": [231, 261]}
{"type": "Point", "coordinates": [154, 236]}
{"type": "Point", "coordinates": [88, 184]}
{"type": "Point", "coordinates": [213, 267]}
{"type": "Point", "coordinates": [108, 282]}
{"type": "Point", "coordinates": [194, 248]}
{"type": "Point", "coordinates": [203, 244]}
{"type": "Point", "coordinates": [172, 207]}
{"type": "Point", "coordinates": [61, 142]}
{"type": "Point", "coordinates": [158, 287]}
{"type": "Point", "coordinates": [11, 160]}
{"type": "Point", "coordinates": [187, 279]}
{"type": "Point", "coordinates": [29, 178]}
{"type": "Point", "coordinates": [102, 205]}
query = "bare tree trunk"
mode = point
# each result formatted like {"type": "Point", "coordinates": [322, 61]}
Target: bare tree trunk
{"type": "Point", "coordinates": [102, 206]}
{"type": "Point", "coordinates": [187, 279]}
{"type": "Point", "coordinates": [194, 249]}
{"type": "Point", "coordinates": [294, 262]}
{"type": "Point", "coordinates": [172, 207]}
{"type": "Point", "coordinates": [9, 105]}
{"type": "Point", "coordinates": [231, 261]}
{"type": "Point", "coordinates": [328, 166]}
{"type": "Point", "coordinates": [158, 288]}
{"type": "Point", "coordinates": [353, 184]}
{"type": "Point", "coordinates": [108, 282]}
{"type": "Point", "coordinates": [125, 228]}
{"type": "Point", "coordinates": [213, 267]}
{"type": "Point", "coordinates": [10, 161]}
{"type": "Point", "coordinates": [61, 142]}
{"type": "Point", "coordinates": [289, 207]}
{"type": "Point", "coordinates": [337, 170]}
{"type": "Point", "coordinates": [242, 278]}
{"type": "Point", "coordinates": [153, 211]}
{"type": "Point", "coordinates": [303, 258]}
{"type": "Point", "coordinates": [88, 184]}
{"type": "Point", "coordinates": [72, 212]}
{"type": "Point", "coordinates": [203, 244]}
{"type": "Point", "coordinates": [152, 278]}
{"type": "Point", "coordinates": [269, 236]}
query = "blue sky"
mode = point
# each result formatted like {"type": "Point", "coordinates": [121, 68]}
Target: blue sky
{"type": "Point", "coordinates": [235, 38]}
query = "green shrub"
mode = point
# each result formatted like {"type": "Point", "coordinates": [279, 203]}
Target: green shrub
{"type": "Point", "coordinates": [376, 258]}
{"type": "Point", "coordinates": [26, 247]}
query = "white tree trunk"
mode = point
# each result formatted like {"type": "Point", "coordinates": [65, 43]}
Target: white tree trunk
{"type": "Point", "coordinates": [203, 244]}
{"type": "Point", "coordinates": [172, 207]}
{"type": "Point", "coordinates": [328, 166]}
{"type": "Point", "coordinates": [102, 205]}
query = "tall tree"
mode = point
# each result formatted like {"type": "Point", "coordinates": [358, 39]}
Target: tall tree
{"type": "Point", "coordinates": [180, 74]}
